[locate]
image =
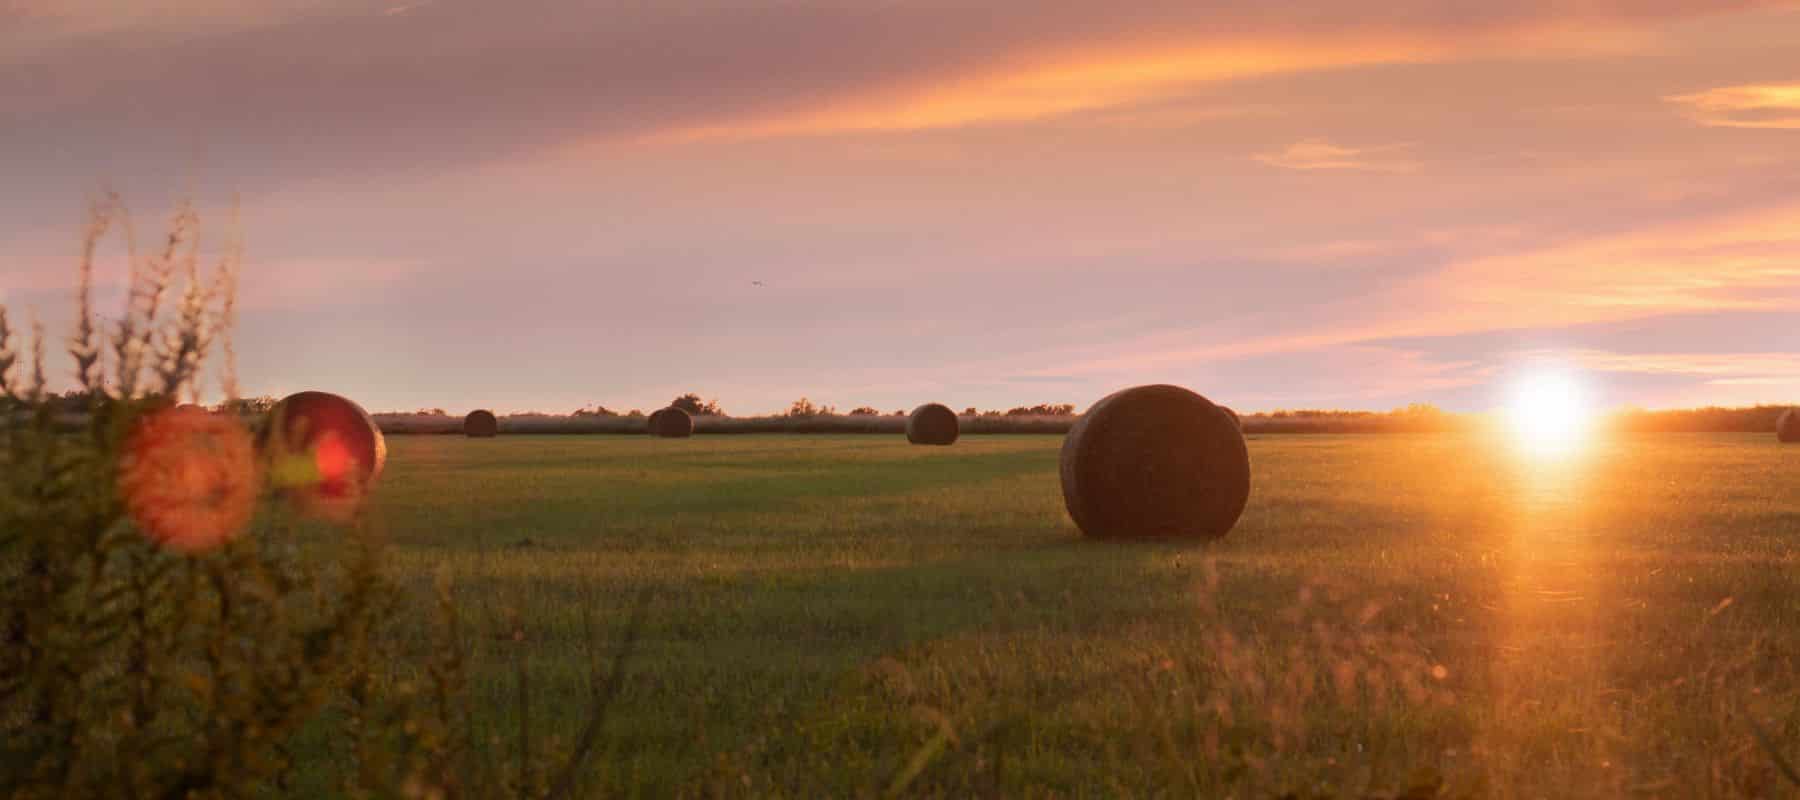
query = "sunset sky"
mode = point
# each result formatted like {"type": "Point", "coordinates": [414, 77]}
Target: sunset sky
{"type": "Point", "coordinates": [542, 204]}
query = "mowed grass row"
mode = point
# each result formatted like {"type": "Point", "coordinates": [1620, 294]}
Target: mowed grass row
{"type": "Point", "coordinates": [853, 615]}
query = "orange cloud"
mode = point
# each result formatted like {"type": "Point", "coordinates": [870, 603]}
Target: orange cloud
{"type": "Point", "coordinates": [1762, 105]}
{"type": "Point", "coordinates": [1047, 85]}
{"type": "Point", "coordinates": [1051, 87]}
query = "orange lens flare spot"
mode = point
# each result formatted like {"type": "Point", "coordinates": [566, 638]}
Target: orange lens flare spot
{"type": "Point", "coordinates": [188, 478]}
{"type": "Point", "coordinates": [330, 481]}
{"type": "Point", "coordinates": [323, 454]}
{"type": "Point", "coordinates": [333, 459]}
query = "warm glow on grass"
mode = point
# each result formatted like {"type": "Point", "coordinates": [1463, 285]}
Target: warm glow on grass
{"type": "Point", "coordinates": [1549, 413]}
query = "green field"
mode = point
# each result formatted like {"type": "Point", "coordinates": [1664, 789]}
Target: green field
{"type": "Point", "coordinates": [834, 616]}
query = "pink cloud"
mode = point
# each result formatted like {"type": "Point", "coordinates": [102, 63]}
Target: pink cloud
{"type": "Point", "coordinates": [1321, 154]}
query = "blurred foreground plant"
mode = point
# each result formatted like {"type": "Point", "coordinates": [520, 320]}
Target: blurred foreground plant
{"type": "Point", "coordinates": [167, 629]}
{"type": "Point", "coordinates": [151, 643]}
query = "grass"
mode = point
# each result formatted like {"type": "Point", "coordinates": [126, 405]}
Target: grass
{"type": "Point", "coordinates": [845, 615]}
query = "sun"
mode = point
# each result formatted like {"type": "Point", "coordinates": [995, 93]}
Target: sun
{"type": "Point", "coordinates": [1550, 413]}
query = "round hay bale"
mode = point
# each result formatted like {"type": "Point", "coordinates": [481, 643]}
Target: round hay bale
{"type": "Point", "coordinates": [1236, 421]}
{"type": "Point", "coordinates": [932, 423]}
{"type": "Point", "coordinates": [481, 424]}
{"type": "Point", "coordinates": [1787, 428]}
{"type": "Point", "coordinates": [322, 452]}
{"type": "Point", "coordinates": [671, 423]}
{"type": "Point", "coordinates": [1155, 462]}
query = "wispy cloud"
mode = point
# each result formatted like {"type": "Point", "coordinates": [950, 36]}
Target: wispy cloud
{"type": "Point", "coordinates": [1056, 84]}
{"type": "Point", "coordinates": [1720, 368]}
{"type": "Point", "coordinates": [1741, 263]}
{"type": "Point", "coordinates": [28, 27]}
{"type": "Point", "coordinates": [1760, 105]}
{"type": "Point", "coordinates": [1321, 154]}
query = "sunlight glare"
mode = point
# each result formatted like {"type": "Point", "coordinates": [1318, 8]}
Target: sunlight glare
{"type": "Point", "coordinates": [1549, 413]}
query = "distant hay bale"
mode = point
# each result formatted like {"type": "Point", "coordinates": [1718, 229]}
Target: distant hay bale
{"type": "Point", "coordinates": [1155, 462]}
{"type": "Point", "coordinates": [1787, 428]}
{"type": "Point", "coordinates": [932, 423]}
{"type": "Point", "coordinates": [481, 424]}
{"type": "Point", "coordinates": [671, 423]}
{"type": "Point", "coordinates": [323, 452]}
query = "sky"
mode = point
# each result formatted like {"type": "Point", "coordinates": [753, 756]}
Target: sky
{"type": "Point", "coordinates": [548, 204]}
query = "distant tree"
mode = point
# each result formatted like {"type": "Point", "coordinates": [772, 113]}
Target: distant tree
{"type": "Point", "coordinates": [692, 404]}
{"type": "Point", "coordinates": [432, 412]}
{"type": "Point", "coordinates": [1043, 410]}
{"type": "Point", "coordinates": [594, 411]}
{"type": "Point", "coordinates": [805, 408]}
{"type": "Point", "coordinates": [634, 413]}
{"type": "Point", "coordinates": [864, 411]}
{"type": "Point", "coordinates": [900, 413]}
{"type": "Point", "coordinates": [971, 411]}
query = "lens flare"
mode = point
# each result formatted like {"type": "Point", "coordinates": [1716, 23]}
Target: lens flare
{"type": "Point", "coordinates": [323, 453]}
{"type": "Point", "coordinates": [1550, 414]}
{"type": "Point", "coordinates": [334, 462]}
{"type": "Point", "coordinates": [188, 478]}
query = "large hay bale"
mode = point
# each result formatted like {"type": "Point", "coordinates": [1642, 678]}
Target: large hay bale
{"type": "Point", "coordinates": [1787, 427]}
{"type": "Point", "coordinates": [1155, 462]}
{"type": "Point", "coordinates": [671, 423]}
{"type": "Point", "coordinates": [322, 452]}
{"type": "Point", "coordinates": [481, 424]}
{"type": "Point", "coordinates": [932, 423]}
{"type": "Point", "coordinates": [1236, 421]}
